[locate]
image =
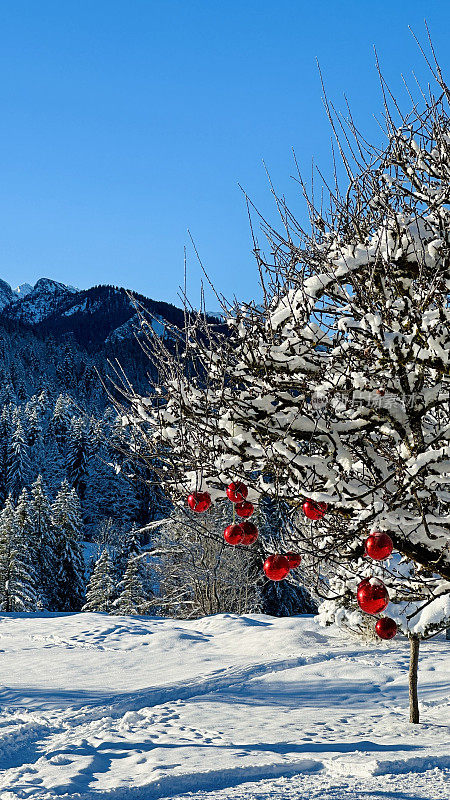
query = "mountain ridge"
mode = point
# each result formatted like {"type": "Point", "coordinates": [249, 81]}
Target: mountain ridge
{"type": "Point", "coordinates": [93, 317]}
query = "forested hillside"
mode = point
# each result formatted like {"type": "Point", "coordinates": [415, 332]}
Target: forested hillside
{"type": "Point", "coordinates": [65, 491]}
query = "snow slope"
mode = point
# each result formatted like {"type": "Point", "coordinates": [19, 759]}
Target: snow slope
{"type": "Point", "coordinates": [222, 708]}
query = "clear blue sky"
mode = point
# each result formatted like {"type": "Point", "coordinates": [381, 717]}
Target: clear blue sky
{"type": "Point", "coordinates": [126, 122]}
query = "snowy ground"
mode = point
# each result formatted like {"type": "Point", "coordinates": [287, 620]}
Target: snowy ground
{"type": "Point", "coordinates": [223, 708]}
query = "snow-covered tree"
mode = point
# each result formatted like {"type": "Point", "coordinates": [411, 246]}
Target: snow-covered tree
{"type": "Point", "coordinates": [67, 526]}
{"type": "Point", "coordinates": [100, 589]}
{"type": "Point", "coordinates": [134, 592]}
{"type": "Point", "coordinates": [337, 388]}
{"type": "Point", "coordinates": [61, 419]}
{"type": "Point", "coordinates": [77, 456]}
{"type": "Point", "coordinates": [18, 590]}
{"type": "Point", "coordinates": [18, 458]}
{"type": "Point", "coordinates": [45, 544]}
{"type": "Point", "coordinates": [198, 574]}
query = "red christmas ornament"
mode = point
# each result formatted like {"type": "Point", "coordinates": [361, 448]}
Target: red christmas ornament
{"type": "Point", "coordinates": [386, 628]}
{"type": "Point", "coordinates": [379, 546]}
{"type": "Point", "coordinates": [199, 501]}
{"type": "Point", "coordinates": [372, 596]}
{"type": "Point", "coordinates": [249, 531]}
{"type": "Point", "coordinates": [244, 509]}
{"type": "Point", "coordinates": [314, 510]}
{"type": "Point", "coordinates": [237, 492]}
{"type": "Point", "coordinates": [294, 559]}
{"type": "Point", "coordinates": [233, 534]}
{"type": "Point", "coordinates": [276, 567]}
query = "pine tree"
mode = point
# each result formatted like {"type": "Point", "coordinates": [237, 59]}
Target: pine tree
{"type": "Point", "coordinates": [134, 597]}
{"type": "Point", "coordinates": [100, 589]}
{"type": "Point", "coordinates": [18, 466]}
{"type": "Point", "coordinates": [61, 420]}
{"type": "Point", "coordinates": [5, 436]}
{"type": "Point", "coordinates": [34, 422]}
{"type": "Point", "coordinates": [7, 534]}
{"type": "Point", "coordinates": [128, 546]}
{"type": "Point", "coordinates": [44, 537]}
{"type": "Point", "coordinates": [77, 457]}
{"type": "Point", "coordinates": [25, 556]}
{"type": "Point", "coordinates": [17, 575]}
{"type": "Point", "coordinates": [67, 527]}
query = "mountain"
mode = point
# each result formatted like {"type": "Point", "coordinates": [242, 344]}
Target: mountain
{"type": "Point", "coordinates": [97, 317]}
{"type": "Point", "coordinates": [7, 295]}
{"type": "Point", "coordinates": [23, 289]}
{"type": "Point", "coordinates": [38, 302]}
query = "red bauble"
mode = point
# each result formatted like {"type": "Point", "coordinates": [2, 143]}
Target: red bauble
{"type": "Point", "coordinates": [314, 510]}
{"type": "Point", "coordinates": [237, 492]}
{"type": "Point", "coordinates": [199, 501]}
{"type": "Point", "coordinates": [379, 546]}
{"type": "Point", "coordinates": [386, 628]}
{"type": "Point", "coordinates": [244, 509]}
{"type": "Point", "coordinates": [250, 532]}
{"type": "Point", "coordinates": [294, 559]}
{"type": "Point", "coordinates": [276, 567]}
{"type": "Point", "coordinates": [372, 596]}
{"type": "Point", "coordinates": [233, 534]}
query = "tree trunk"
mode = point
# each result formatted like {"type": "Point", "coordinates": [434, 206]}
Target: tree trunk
{"type": "Point", "coordinates": [414, 642]}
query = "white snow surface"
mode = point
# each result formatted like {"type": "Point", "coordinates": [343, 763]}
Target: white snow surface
{"type": "Point", "coordinates": [222, 708]}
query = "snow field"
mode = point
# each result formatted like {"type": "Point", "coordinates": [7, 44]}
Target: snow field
{"type": "Point", "coordinates": [252, 707]}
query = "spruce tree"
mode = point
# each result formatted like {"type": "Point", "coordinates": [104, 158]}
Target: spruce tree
{"type": "Point", "coordinates": [25, 557]}
{"type": "Point", "coordinates": [134, 597]}
{"type": "Point", "coordinates": [60, 421]}
{"type": "Point", "coordinates": [77, 456]}
{"type": "Point", "coordinates": [129, 546]}
{"type": "Point", "coordinates": [67, 527]}
{"type": "Point", "coordinates": [17, 574]}
{"type": "Point", "coordinates": [7, 532]}
{"type": "Point", "coordinates": [18, 458]}
{"type": "Point", "coordinates": [100, 589]}
{"type": "Point", "coordinates": [44, 537]}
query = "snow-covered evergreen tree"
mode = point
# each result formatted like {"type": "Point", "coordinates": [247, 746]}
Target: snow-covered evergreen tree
{"type": "Point", "coordinates": [18, 466]}
{"type": "Point", "coordinates": [67, 526]}
{"type": "Point", "coordinates": [100, 589]}
{"type": "Point", "coordinates": [134, 592]}
{"type": "Point", "coordinates": [45, 542]}
{"type": "Point", "coordinates": [77, 456]}
{"type": "Point", "coordinates": [61, 420]}
{"type": "Point", "coordinates": [18, 588]}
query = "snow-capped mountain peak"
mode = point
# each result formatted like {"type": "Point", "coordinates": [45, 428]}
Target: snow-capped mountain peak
{"type": "Point", "coordinates": [32, 304]}
{"type": "Point", "coordinates": [23, 290]}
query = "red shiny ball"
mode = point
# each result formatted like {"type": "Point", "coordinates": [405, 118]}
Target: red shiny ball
{"type": "Point", "coordinates": [379, 546]}
{"type": "Point", "coordinates": [372, 596]}
{"type": "Point", "coordinates": [386, 628]}
{"type": "Point", "coordinates": [276, 567]}
{"type": "Point", "coordinates": [314, 510]}
{"type": "Point", "coordinates": [250, 532]}
{"type": "Point", "coordinates": [294, 559]}
{"type": "Point", "coordinates": [199, 501]}
{"type": "Point", "coordinates": [244, 509]}
{"type": "Point", "coordinates": [237, 492]}
{"type": "Point", "coordinates": [233, 534]}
